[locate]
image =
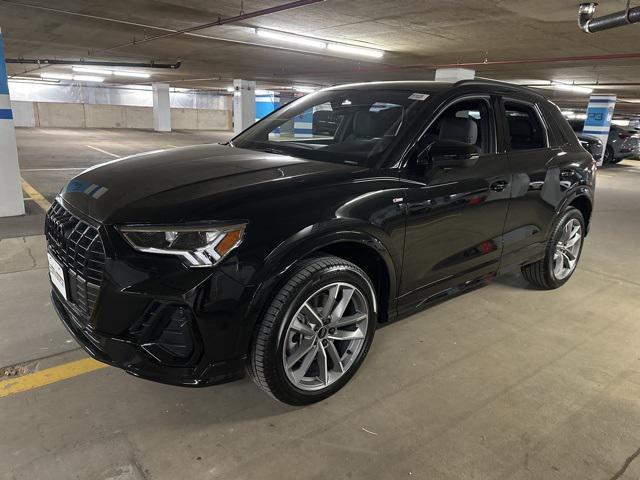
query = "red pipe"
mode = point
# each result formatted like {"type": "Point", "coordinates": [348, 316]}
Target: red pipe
{"type": "Point", "coordinates": [220, 21]}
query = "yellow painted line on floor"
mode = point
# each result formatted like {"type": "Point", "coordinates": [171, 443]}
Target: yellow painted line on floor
{"type": "Point", "coordinates": [103, 151]}
{"type": "Point", "coordinates": [35, 195]}
{"type": "Point", "coordinates": [48, 376]}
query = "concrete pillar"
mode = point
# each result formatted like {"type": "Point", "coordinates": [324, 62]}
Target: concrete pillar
{"type": "Point", "coordinates": [244, 105]}
{"type": "Point", "coordinates": [11, 202]}
{"type": "Point", "coordinates": [454, 74]}
{"type": "Point", "coordinates": [161, 107]}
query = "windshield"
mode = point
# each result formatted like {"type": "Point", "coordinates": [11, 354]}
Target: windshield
{"type": "Point", "coordinates": [356, 127]}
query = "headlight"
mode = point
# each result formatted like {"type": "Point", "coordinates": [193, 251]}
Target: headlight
{"type": "Point", "coordinates": [198, 246]}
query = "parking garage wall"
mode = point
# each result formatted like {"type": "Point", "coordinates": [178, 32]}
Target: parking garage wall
{"type": "Point", "coordinates": [83, 115]}
{"type": "Point", "coordinates": [82, 106]}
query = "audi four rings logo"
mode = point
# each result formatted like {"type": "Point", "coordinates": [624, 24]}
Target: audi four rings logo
{"type": "Point", "coordinates": [57, 230]}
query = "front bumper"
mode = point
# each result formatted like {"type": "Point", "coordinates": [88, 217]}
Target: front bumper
{"type": "Point", "coordinates": [133, 359]}
{"type": "Point", "coordinates": [156, 318]}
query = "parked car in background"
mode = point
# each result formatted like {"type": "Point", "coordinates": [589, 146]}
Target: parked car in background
{"type": "Point", "coordinates": [622, 143]}
{"type": "Point", "coordinates": [591, 144]}
{"type": "Point", "coordinates": [280, 254]}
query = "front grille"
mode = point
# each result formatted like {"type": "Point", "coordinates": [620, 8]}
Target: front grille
{"type": "Point", "coordinates": [77, 245]}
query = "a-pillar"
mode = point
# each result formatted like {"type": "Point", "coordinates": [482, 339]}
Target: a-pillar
{"type": "Point", "coordinates": [161, 107]}
{"type": "Point", "coordinates": [244, 104]}
{"type": "Point", "coordinates": [11, 202]}
{"type": "Point", "coordinates": [454, 74]}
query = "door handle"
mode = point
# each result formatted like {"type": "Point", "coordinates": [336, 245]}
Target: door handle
{"type": "Point", "coordinates": [499, 186]}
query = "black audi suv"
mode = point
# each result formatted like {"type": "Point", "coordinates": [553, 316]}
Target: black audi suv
{"type": "Point", "coordinates": [279, 252]}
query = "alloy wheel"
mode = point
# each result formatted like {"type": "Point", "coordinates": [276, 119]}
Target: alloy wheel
{"type": "Point", "coordinates": [325, 336]}
{"type": "Point", "coordinates": [567, 250]}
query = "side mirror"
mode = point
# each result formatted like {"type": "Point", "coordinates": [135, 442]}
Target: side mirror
{"type": "Point", "coordinates": [449, 154]}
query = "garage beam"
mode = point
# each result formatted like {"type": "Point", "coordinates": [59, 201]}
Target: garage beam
{"type": "Point", "coordinates": [11, 202]}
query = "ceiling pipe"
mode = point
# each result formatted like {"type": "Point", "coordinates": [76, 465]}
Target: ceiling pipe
{"type": "Point", "coordinates": [48, 62]}
{"type": "Point", "coordinates": [588, 24]}
{"type": "Point", "coordinates": [220, 21]}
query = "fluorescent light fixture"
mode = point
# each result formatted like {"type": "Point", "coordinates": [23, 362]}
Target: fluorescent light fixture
{"type": "Point", "coordinates": [129, 73]}
{"type": "Point", "coordinates": [264, 92]}
{"type": "Point", "coordinates": [581, 116]}
{"type": "Point", "coordinates": [101, 71]}
{"type": "Point", "coordinates": [291, 38]}
{"type": "Point", "coordinates": [88, 78]}
{"type": "Point", "coordinates": [568, 113]}
{"type": "Point", "coordinates": [231, 89]}
{"type": "Point", "coordinates": [571, 88]}
{"type": "Point", "coordinates": [56, 76]}
{"type": "Point", "coordinates": [32, 80]}
{"type": "Point", "coordinates": [318, 44]}
{"type": "Point", "coordinates": [352, 50]}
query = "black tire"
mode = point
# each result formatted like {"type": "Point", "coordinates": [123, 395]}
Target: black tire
{"type": "Point", "coordinates": [540, 273]}
{"type": "Point", "coordinates": [608, 156]}
{"type": "Point", "coordinates": [264, 362]}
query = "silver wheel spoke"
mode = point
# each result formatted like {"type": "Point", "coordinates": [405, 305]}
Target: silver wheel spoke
{"type": "Point", "coordinates": [349, 320]}
{"type": "Point", "coordinates": [347, 335]}
{"type": "Point", "coordinates": [331, 301]}
{"type": "Point", "coordinates": [303, 349]}
{"type": "Point", "coordinates": [311, 314]}
{"type": "Point", "coordinates": [342, 305]}
{"type": "Point", "coordinates": [323, 368]}
{"type": "Point", "coordinates": [300, 327]}
{"type": "Point", "coordinates": [335, 357]}
{"type": "Point", "coordinates": [300, 372]}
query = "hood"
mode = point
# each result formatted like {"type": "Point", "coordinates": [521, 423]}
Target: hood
{"type": "Point", "coordinates": [173, 185]}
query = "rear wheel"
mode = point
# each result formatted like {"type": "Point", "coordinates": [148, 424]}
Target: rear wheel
{"type": "Point", "coordinates": [608, 156]}
{"type": "Point", "coordinates": [562, 252]}
{"type": "Point", "coordinates": [316, 332]}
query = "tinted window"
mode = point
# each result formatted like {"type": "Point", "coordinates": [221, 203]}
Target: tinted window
{"type": "Point", "coordinates": [525, 129]}
{"type": "Point", "coordinates": [350, 126]}
{"type": "Point", "coordinates": [468, 121]}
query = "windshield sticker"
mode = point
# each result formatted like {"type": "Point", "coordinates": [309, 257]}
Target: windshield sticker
{"type": "Point", "coordinates": [418, 96]}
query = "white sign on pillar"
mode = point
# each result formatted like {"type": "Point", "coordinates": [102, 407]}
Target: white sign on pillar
{"type": "Point", "coordinates": [454, 74]}
{"type": "Point", "coordinates": [161, 107]}
{"type": "Point", "coordinates": [11, 202]}
{"type": "Point", "coordinates": [244, 105]}
{"type": "Point", "coordinates": [598, 121]}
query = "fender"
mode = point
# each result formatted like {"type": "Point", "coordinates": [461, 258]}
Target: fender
{"type": "Point", "coordinates": [302, 245]}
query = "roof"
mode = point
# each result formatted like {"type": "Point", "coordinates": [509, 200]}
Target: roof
{"type": "Point", "coordinates": [427, 86]}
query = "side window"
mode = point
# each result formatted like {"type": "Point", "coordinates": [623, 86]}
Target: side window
{"type": "Point", "coordinates": [525, 130]}
{"type": "Point", "coordinates": [467, 121]}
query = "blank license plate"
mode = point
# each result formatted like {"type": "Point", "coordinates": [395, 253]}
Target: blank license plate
{"type": "Point", "coordinates": [56, 272]}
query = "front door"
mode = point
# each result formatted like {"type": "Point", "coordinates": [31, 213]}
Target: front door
{"type": "Point", "coordinates": [455, 215]}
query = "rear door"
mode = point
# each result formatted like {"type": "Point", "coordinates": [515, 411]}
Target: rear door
{"type": "Point", "coordinates": [455, 216]}
{"type": "Point", "coordinates": [535, 190]}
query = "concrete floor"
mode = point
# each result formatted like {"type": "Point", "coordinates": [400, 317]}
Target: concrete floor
{"type": "Point", "coordinates": [505, 382]}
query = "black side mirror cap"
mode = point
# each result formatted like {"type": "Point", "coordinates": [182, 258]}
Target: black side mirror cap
{"type": "Point", "coordinates": [449, 154]}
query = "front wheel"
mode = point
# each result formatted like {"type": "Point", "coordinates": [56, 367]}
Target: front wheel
{"type": "Point", "coordinates": [316, 332]}
{"type": "Point", "coordinates": [561, 254]}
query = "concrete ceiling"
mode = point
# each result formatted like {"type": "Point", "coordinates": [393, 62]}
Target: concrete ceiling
{"type": "Point", "coordinates": [416, 35]}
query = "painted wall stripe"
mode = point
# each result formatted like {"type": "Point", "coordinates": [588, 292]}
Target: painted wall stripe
{"type": "Point", "coordinates": [6, 114]}
{"type": "Point", "coordinates": [49, 376]}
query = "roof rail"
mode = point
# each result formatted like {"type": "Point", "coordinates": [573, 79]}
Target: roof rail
{"type": "Point", "coordinates": [488, 81]}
